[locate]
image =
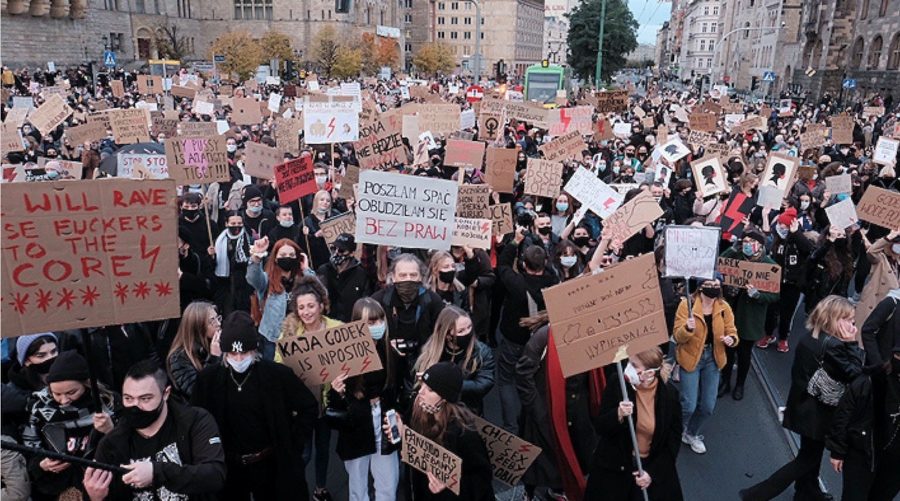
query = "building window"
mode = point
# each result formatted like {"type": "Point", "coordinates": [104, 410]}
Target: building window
{"type": "Point", "coordinates": [454, 20]}
{"type": "Point", "coordinates": [441, 35]}
{"type": "Point", "coordinates": [111, 4]}
{"type": "Point", "coordinates": [712, 28]}
{"type": "Point", "coordinates": [440, 5]}
{"type": "Point", "coordinates": [467, 35]}
{"type": "Point", "coordinates": [716, 10]}
{"type": "Point", "coordinates": [703, 29]}
{"type": "Point", "coordinates": [467, 20]}
{"type": "Point", "coordinates": [894, 54]}
{"type": "Point", "coordinates": [875, 53]}
{"type": "Point", "coordinates": [368, 15]}
{"type": "Point", "coordinates": [747, 25]}
{"type": "Point", "coordinates": [883, 10]}
{"type": "Point", "coordinates": [712, 45]}
{"type": "Point", "coordinates": [440, 20]}
{"type": "Point", "coordinates": [253, 9]}
{"type": "Point", "coordinates": [454, 35]}
{"type": "Point", "coordinates": [381, 18]}
{"type": "Point", "coordinates": [857, 53]}
{"type": "Point", "coordinates": [864, 10]}
{"type": "Point", "coordinates": [139, 6]}
{"type": "Point", "coordinates": [407, 18]}
{"type": "Point", "coordinates": [454, 5]}
{"type": "Point", "coordinates": [702, 45]}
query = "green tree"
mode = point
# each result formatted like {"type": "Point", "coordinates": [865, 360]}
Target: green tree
{"type": "Point", "coordinates": [276, 45]}
{"type": "Point", "coordinates": [434, 58]}
{"type": "Point", "coordinates": [347, 63]}
{"type": "Point", "coordinates": [619, 37]}
{"type": "Point", "coordinates": [242, 53]}
{"type": "Point", "coordinates": [325, 47]}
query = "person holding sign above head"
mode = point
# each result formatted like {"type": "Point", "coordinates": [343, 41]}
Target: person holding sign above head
{"type": "Point", "coordinates": [438, 415]}
{"type": "Point", "coordinates": [232, 256]}
{"type": "Point", "coordinates": [701, 337]}
{"type": "Point", "coordinates": [356, 408]}
{"type": "Point", "coordinates": [321, 210]}
{"type": "Point", "coordinates": [306, 313]}
{"type": "Point", "coordinates": [653, 404]}
{"type": "Point", "coordinates": [751, 305]}
{"type": "Point", "coordinates": [272, 284]}
{"type": "Point", "coordinates": [265, 415]}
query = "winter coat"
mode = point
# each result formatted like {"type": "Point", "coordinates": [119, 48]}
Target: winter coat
{"type": "Point", "coordinates": [882, 329]}
{"type": "Point", "coordinates": [534, 421]}
{"type": "Point", "coordinates": [275, 307]}
{"type": "Point", "coordinates": [182, 372]}
{"type": "Point", "coordinates": [852, 426]}
{"type": "Point", "coordinates": [477, 384]}
{"type": "Point", "coordinates": [791, 254]}
{"type": "Point", "coordinates": [882, 278]}
{"type": "Point", "coordinates": [428, 306]}
{"type": "Point", "coordinates": [750, 313]}
{"type": "Point", "coordinates": [14, 473]}
{"type": "Point", "coordinates": [344, 288]}
{"type": "Point", "coordinates": [478, 277]}
{"type": "Point", "coordinates": [819, 281]}
{"type": "Point", "coordinates": [690, 344]}
{"type": "Point", "coordinates": [475, 483]}
{"type": "Point", "coordinates": [289, 407]}
{"type": "Point", "coordinates": [519, 288]}
{"type": "Point", "coordinates": [318, 249]}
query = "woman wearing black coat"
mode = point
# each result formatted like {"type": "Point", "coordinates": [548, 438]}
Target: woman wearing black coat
{"type": "Point", "coordinates": [614, 475]}
{"type": "Point", "coordinates": [830, 344]}
{"type": "Point", "coordinates": [830, 267]}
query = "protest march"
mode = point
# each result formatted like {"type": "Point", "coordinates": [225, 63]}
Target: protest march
{"type": "Point", "coordinates": [549, 308]}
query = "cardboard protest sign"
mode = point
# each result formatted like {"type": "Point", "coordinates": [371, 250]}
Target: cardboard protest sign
{"type": "Point", "coordinates": [597, 319]}
{"type": "Point", "coordinates": [197, 160]}
{"type": "Point", "coordinates": [16, 116]}
{"type": "Point", "coordinates": [295, 179]}
{"type": "Point", "coordinates": [500, 169]}
{"type": "Point", "coordinates": [472, 201]}
{"type": "Point", "coordinates": [612, 101]}
{"type": "Point", "coordinates": [162, 125]}
{"type": "Point", "coordinates": [330, 127]}
{"type": "Point", "coordinates": [838, 184]}
{"type": "Point", "coordinates": [594, 193]}
{"type": "Point", "coordinates": [780, 170]}
{"type": "Point", "coordinates": [543, 177]}
{"type": "Point", "coordinates": [118, 88]}
{"type": "Point", "coordinates": [872, 111]}
{"type": "Point", "coordinates": [886, 151]}
{"type": "Point", "coordinates": [439, 118]}
{"type": "Point", "coordinates": [67, 169]}
{"type": "Point", "coordinates": [287, 134]}
{"type": "Point", "coordinates": [501, 217]}
{"type": "Point", "coordinates": [50, 114]}
{"type": "Point", "coordinates": [812, 139]}
{"type": "Point", "coordinates": [768, 197]}
{"type": "Point", "coordinates": [698, 139]}
{"type": "Point", "coordinates": [475, 233]}
{"type": "Point", "coordinates": [25, 102]}
{"type": "Point", "coordinates": [149, 84]}
{"type": "Point", "coordinates": [632, 217]}
{"type": "Point", "coordinates": [842, 129]}
{"type": "Point", "coordinates": [428, 457]}
{"type": "Point", "coordinates": [80, 254]}
{"type": "Point", "coordinates": [129, 126]}
{"type": "Point", "coordinates": [705, 122]}
{"type": "Point", "coordinates": [708, 177]}
{"type": "Point", "coordinates": [564, 148]}
{"type": "Point", "coordinates": [489, 126]}
{"type": "Point", "coordinates": [674, 150]}
{"type": "Point", "coordinates": [381, 143]}
{"type": "Point", "coordinates": [622, 130]}
{"type": "Point", "coordinates": [405, 211]}
{"type": "Point", "coordinates": [318, 357]}
{"type": "Point", "coordinates": [510, 455]}
{"type": "Point", "coordinates": [740, 273]}
{"type": "Point", "coordinates": [245, 111]}
{"type": "Point", "coordinates": [464, 153]}
{"type": "Point", "coordinates": [750, 123]}
{"type": "Point", "coordinates": [188, 92]}
{"type": "Point", "coordinates": [194, 129]}
{"type": "Point", "coordinates": [12, 139]}
{"type": "Point", "coordinates": [332, 228]}
{"type": "Point", "coordinates": [880, 206]}
{"type": "Point", "coordinates": [127, 164]}
{"type": "Point", "coordinates": [203, 108]}
{"type": "Point", "coordinates": [691, 251]}
{"type": "Point", "coordinates": [842, 214]}
{"type": "Point", "coordinates": [565, 120]}
{"type": "Point", "coordinates": [350, 177]}
{"type": "Point", "coordinates": [260, 160]}
{"type": "Point", "coordinates": [734, 211]}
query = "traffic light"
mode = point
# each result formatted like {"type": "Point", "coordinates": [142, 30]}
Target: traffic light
{"type": "Point", "coordinates": [342, 6]}
{"type": "Point", "coordinates": [754, 82]}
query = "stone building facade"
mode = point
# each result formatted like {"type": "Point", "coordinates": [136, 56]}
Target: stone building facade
{"type": "Point", "coordinates": [700, 36]}
{"type": "Point", "coordinates": [556, 29]}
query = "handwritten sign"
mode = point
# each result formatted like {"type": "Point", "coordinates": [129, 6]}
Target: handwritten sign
{"type": "Point", "coordinates": [705, 122]}
{"type": "Point", "coordinates": [260, 160]}
{"type": "Point", "coordinates": [405, 211]}
{"type": "Point", "coordinates": [12, 139]}
{"type": "Point", "coordinates": [350, 177]}
{"type": "Point", "coordinates": [464, 153]}
{"type": "Point", "coordinates": [188, 92]}
{"type": "Point", "coordinates": [330, 127]}
{"type": "Point", "coordinates": [118, 88]}
{"type": "Point", "coordinates": [129, 126]}
{"type": "Point", "coordinates": [593, 193]}
{"type": "Point", "coordinates": [886, 151]}
{"type": "Point", "coordinates": [881, 207]}
{"type": "Point", "coordinates": [381, 143]}
{"type": "Point", "coordinates": [475, 233]}
{"type": "Point", "coordinates": [691, 251]}
{"type": "Point", "coordinates": [565, 120]}
{"type": "Point", "coordinates": [428, 457]}
{"type": "Point", "coordinates": [510, 455]}
{"type": "Point", "coordinates": [287, 134]}
{"type": "Point", "coordinates": [842, 214]}
{"type": "Point", "coordinates": [439, 118]}
{"type": "Point", "coordinates": [500, 169]}
{"type": "Point", "coordinates": [197, 160]}
{"type": "Point", "coordinates": [50, 114]}
{"type": "Point", "coordinates": [839, 184]}
{"type": "Point", "coordinates": [632, 217]}
{"type": "Point", "coordinates": [245, 111]}
{"type": "Point", "coordinates": [318, 357]}
{"type": "Point", "coordinates": [739, 273]}
{"type": "Point", "coordinates": [81, 254]}
{"type": "Point", "coordinates": [472, 201]}
{"type": "Point", "coordinates": [564, 148]}
{"type": "Point", "coordinates": [501, 217]}
{"type": "Point", "coordinates": [332, 228]}
{"type": "Point", "coordinates": [597, 317]}
{"type": "Point", "coordinates": [295, 179]}
{"type": "Point", "coordinates": [530, 113]}
{"type": "Point", "coordinates": [543, 178]}
{"type": "Point", "coordinates": [813, 139]}
{"type": "Point", "coordinates": [842, 129]}
{"type": "Point", "coordinates": [612, 101]}
{"type": "Point", "coordinates": [128, 164]}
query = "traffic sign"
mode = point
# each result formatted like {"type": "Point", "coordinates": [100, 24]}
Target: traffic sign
{"type": "Point", "coordinates": [474, 93]}
{"type": "Point", "coordinates": [849, 83]}
{"type": "Point", "coordinates": [768, 76]}
{"type": "Point", "coordinates": [219, 58]}
{"type": "Point", "coordinates": [109, 59]}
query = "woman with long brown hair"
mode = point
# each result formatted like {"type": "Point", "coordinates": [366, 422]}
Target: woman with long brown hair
{"type": "Point", "coordinates": [455, 341]}
{"type": "Point", "coordinates": [196, 345]}
{"type": "Point", "coordinates": [829, 268]}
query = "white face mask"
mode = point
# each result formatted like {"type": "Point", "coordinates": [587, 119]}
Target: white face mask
{"type": "Point", "coordinates": [896, 248]}
{"type": "Point", "coordinates": [568, 261]}
{"type": "Point", "coordinates": [631, 375]}
{"type": "Point", "coordinates": [231, 148]}
{"type": "Point", "coordinates": [240, 366]}
{"type": "Point", "coordinates": [804, 205]}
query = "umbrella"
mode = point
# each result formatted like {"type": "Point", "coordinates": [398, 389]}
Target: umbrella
{"type": "Point", "coordinates": [110, 164]}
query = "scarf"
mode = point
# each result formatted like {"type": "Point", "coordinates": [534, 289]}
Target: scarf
{"type": "Point", "coordinates": [574, 482]}
{"type": "Point", "coordinates": [240, 251]}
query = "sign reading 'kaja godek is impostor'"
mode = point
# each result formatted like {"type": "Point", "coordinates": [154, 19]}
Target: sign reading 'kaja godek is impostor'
{"type": "Point", "coordinates": [318, 357]}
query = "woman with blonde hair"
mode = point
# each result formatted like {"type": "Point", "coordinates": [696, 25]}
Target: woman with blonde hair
{"type": "Point", "coordinates": [441, 278]}
{"type": "Point", "coordinates": [196, 345]}
{"type": "Point", "coordinates": [321, 210]}
{"type": "Point", "coordinates": [656, 409]}
{"type": "Point", "coordinates": [829, 346]}
{"type": "Point", "coordinates": [454, 341]}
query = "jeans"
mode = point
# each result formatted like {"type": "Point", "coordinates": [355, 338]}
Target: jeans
{"type": "Point", "coordinates": [698, 392]}
{"type": "Point", "coordinates": [385, 470]}
{"type": "Point", "coordinates": [322, 439]}
{"type": "Point", "coordinates": [266, 349]}
{"type": "Point", "coordinates": [508, 354]}
{"type": "Point", "coordinates": [803, 471]}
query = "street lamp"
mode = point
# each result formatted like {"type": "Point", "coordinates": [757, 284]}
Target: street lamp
{"type": "Point", "coordinates": [715, 64]}
{"type": "Point", "coordinates": [600, 57]}
{"type": "Point", "coordinates": [477, 40]}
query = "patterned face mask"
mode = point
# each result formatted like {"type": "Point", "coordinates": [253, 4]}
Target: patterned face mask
{"type": "Point", "coordinates": [429, 408]}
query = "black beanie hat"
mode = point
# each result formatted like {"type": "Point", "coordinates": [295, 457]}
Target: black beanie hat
{"type": "Point", "coordinates": [445, 379]}
{"type": "Point", "coordinates": [250, 192]}
{"type": "Point", "coordinates": [239, 333]}
{"type": "Point", "coordinates": [755, 235]}
{"type": "Point", "coordinates": [68, 366]}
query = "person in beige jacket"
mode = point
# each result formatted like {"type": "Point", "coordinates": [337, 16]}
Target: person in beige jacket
{"type": "Point", "coordinates": [884, 254]}
{"type": "Point", "coordinates": [701, 338]}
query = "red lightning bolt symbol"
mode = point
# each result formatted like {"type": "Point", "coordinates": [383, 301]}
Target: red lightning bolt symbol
{"type": "Point", "coordinates": [485, 226]}
{"type": "Point", "coordinates": [733, 211]}
{"type": "Point", "coordinates": [331, 127]}
{"type": "Point", "coordinates": [366, 363]}
{"type": "Point", "coordinates": [345, 369]}
{"type": "Point", "coordinates": [525, 448]}
{"type": "Point", "coordinates": [324, 374]}
{"type": "Point", "coordinates": [565, 119]}
{"type": "Point", "coordinates": [608, 202]}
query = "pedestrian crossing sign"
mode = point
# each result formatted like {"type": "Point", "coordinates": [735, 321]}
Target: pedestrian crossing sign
{"type": "Point", "coordinates": [768, 76]}
{"type": "Point", "coordinates": [109, 59]}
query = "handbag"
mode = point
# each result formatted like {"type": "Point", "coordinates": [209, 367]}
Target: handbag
{"type": "Point", "coordinates": [824, 387]}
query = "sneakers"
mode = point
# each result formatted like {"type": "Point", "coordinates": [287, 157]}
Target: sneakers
{"type": "Point", "coordinates": [765, 342]}
{"type": "Point", "coordinates": [783, 346]}
{"type": "Point", "coordinates": [695, 441]}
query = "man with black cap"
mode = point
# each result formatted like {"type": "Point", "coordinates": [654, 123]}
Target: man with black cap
{"type": "Point", "coordinates": [344, 278]}
{"type": "Point", "coordinates": [750, 305]}
{"type": "Point", "coordinates": [265, 413]}
{"type": "Point", "coordinates": [173, 451]}
{"type": "Point", "coordinates": [193, 220]}
{"type": "Point", "coordinates": [258, 220]}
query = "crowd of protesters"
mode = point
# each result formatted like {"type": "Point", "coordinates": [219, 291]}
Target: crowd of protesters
{"type": "Point", "coordinates": [169, 405]}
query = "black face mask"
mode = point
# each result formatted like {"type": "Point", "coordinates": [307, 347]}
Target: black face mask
{"type": "Point", "coordinates": [711, 292]}
{"type": "Point", "coordinates": [545, 230]}
{"type": "Point", "coordinates": [138, 418]}
{"type": "Point", "coordinates": [235, 230]}
{"type": "Point", "coordinates": [190, 214]}
{"type": "Point", "coordinates": [408, 290]}
{"type": "Point", "coordinates": [460, 342]}
{"type": "Point", "coordinates": [447, 276]}
{"type": "Point", "coordinates": [339, 259]}
{"type": "Point", "coordinates": [581, 241]}
{"type": "Point", "coordinates": [43, 367]}
{"type": "Point", "coordinates": [840, 242]}
{"type": "Point", "coordinates": [288, 263]}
